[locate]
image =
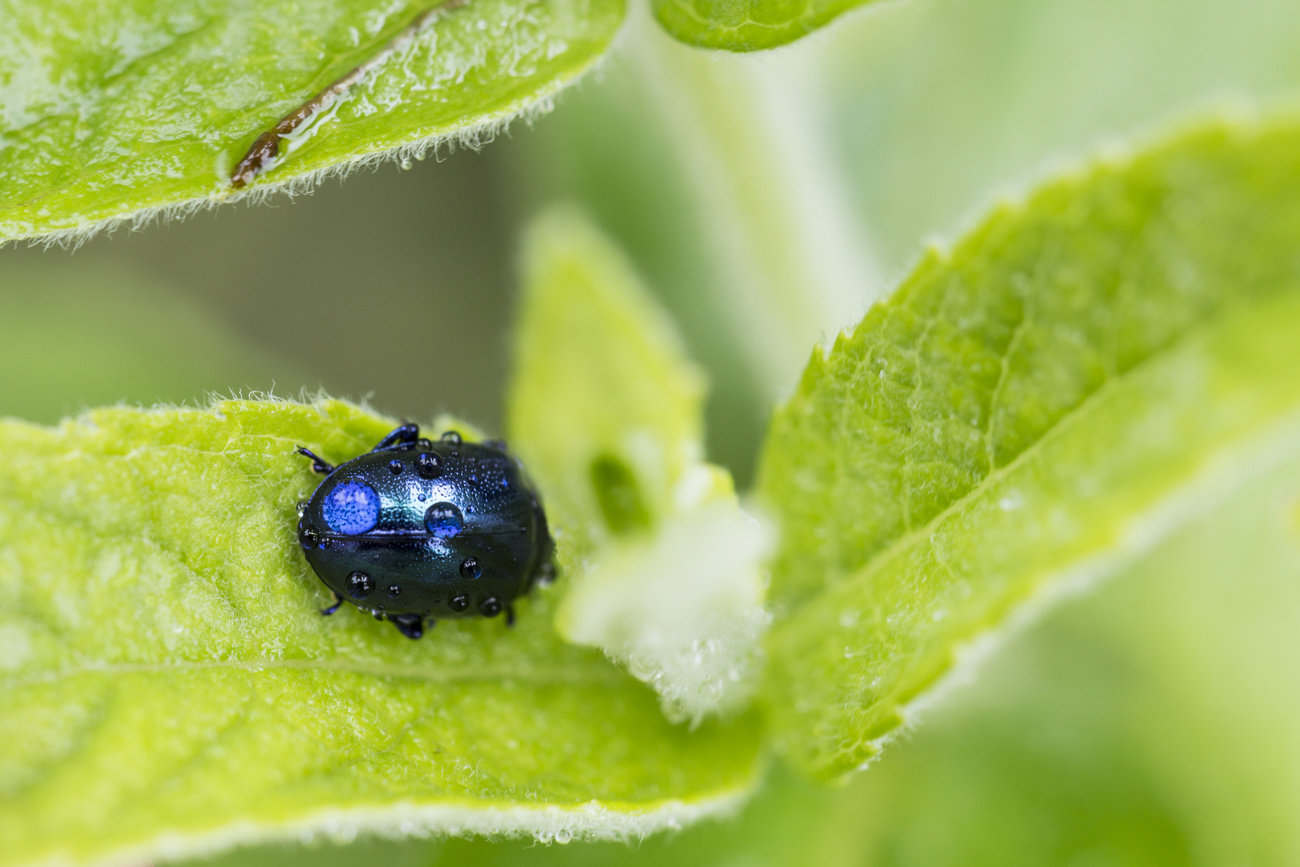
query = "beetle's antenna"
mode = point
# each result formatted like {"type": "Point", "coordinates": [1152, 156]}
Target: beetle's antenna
{"type": "Point", "coordinates": [317, 463]}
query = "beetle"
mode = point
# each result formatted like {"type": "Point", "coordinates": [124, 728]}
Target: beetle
{"type": "Point", "coordinates": [416, 530]}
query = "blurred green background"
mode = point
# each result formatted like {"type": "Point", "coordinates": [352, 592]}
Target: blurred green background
{"type": "Point", "coordinates": [1154, 722]}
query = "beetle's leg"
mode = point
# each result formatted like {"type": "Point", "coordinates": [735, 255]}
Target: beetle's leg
{"type": "Point", "coordinates": [410, 625]}
{"type": "Point", "coordinates": [317, 464]}
{"type": "Point", "coordinates": [338, 600]}
{"type": "Point", "coordinates": [407, 433]}
{"type": "Point", "coordinates": [510, 615]}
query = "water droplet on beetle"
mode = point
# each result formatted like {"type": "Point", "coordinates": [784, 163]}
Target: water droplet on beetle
{"type": "Point", "coordinates": [360, 585]}
{"type": "Point", "coordinates": [395, 467]}
{"type": "Point", "coordinates": [302, 507]}
{"type": "Point", "coordinates": [490, 607]}
{"type": "Point", "coordinates": [470, 568]}
{"type": "Point", "coordinates": [458, 603]}
{"type": "Point", "coordinates": [428, 465]}
{"type": "Point", "coordinates": [452, 437]}
{"type": "Point", "coordinates": [444, 520]}
{"type": "Point", "coordinates": [394, 590]}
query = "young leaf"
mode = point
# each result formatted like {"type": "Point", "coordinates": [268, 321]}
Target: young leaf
{"type": "Point", "coordinates": [663, 564]}
{"type": "Point", "coordinates": [747, 25]}
{"type": "Point", "coordinates": [169, 686]}
{"type": "Point", "coordinates": [1043, 397]}
{"type": "Point", "coordinates": [605, 404]}
{"type": "Point", "coordinates": [108, 112]}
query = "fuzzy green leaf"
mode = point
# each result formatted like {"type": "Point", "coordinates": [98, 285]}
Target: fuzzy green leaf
{"type": "Point", "coordinates": [662, 564]}
{"type": "Point", "coordinates": [172, 687]}
{"type": "Point", "coordinates": [747, 25]}
{"type": "Point", "coordinates": [1074, 745]}
{"type": "Point", "coordinates": [110, 111]}
{"type": "Point", "coordinates": [1033, 402]}
{"type": "Point", "coordinates": [605, 406]}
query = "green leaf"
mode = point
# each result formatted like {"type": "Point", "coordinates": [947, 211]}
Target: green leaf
{"type": "Point", "coordinates": [792, 822]}
{"type": "Point", "coordinates": [172, 687]}
{"type": "Point", "coordinates": [1143, 725]}
{"type": "Point", "coordinates": [747, 25]}
{"type": "Point", "coordinates": [1023, 408]}
{"type": "Point", "coordinates": [603, 401]}
{"type": "Point", "coordinates": [113, 111]}
{"type": "Point", "coordinates": [663, 565]}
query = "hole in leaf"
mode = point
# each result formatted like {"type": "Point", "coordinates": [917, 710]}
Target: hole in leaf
{"type": "Point", "coordinates": [619, 496]}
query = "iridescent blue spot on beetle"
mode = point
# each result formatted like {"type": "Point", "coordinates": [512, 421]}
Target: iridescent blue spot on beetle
{"type": "Point", "coordinates": [444, 520]}
{"type": "Point", "coordinates": [351, 509]}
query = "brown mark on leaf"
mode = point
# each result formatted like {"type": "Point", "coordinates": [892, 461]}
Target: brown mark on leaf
{"type": "Point", "coordinates": [265, 152]}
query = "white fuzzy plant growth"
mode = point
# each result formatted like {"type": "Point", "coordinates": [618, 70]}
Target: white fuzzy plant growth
{"type": "Point", "coordinates": [681, 609]}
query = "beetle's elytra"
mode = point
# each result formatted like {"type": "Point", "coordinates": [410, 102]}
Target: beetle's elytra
{"type": "Point", "coordinates": [415, 530]}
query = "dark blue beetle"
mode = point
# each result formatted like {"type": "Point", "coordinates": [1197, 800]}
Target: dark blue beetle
{"type": "Point", "coordinates": [415, 530]}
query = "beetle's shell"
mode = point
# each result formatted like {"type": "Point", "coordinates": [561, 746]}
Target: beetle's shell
{"type": "Point", "coordinates": [502, 533]}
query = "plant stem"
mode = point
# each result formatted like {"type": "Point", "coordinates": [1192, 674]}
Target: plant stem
{"type": "Point", "coordinates": [749, 133]}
